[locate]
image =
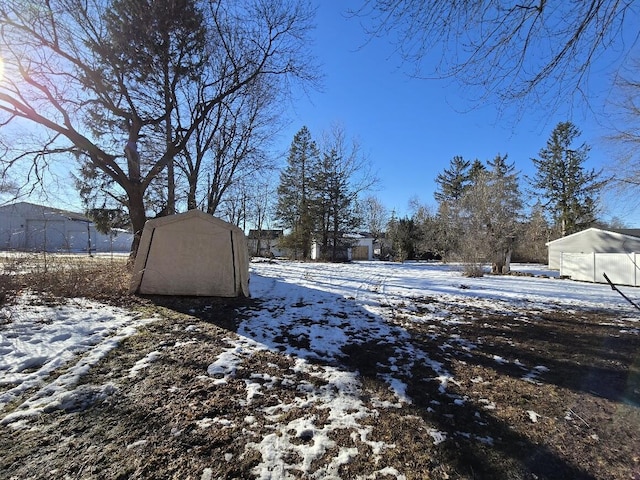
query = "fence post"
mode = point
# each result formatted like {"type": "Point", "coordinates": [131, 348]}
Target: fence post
{"type": "Point", "coordinates": [594, 267]}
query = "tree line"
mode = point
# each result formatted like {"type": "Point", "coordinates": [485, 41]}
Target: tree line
{"type": "Point", "coordinates": [482, 215]}
{"type": "Point", "coordinates": [318, 193]}
{"type": "Point", "coordinates": [485, 212]}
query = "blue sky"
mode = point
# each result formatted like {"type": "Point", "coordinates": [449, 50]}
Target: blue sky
{"type": "Point", "coordinates": [410, 128]}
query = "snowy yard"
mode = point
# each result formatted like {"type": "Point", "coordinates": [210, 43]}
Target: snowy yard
{"type": "Point", "coordinates": [364, 370]}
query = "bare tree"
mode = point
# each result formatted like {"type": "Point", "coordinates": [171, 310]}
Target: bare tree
{"type": "Point", "coordinates": [625, 139]}
{"type": "Point", "coordinates": [231, 144]}
{"type": "Point", "coordinates": [531, 244]}
{"type": "Point", "coordinates": [492, 210]}
{"type": "Point", "coordinates": [539, 49]}
{"type": "Point", "coordinates": [343, 173]}
{"type": "Point", "coordinates": [60, 78]}
{"type": "Point", "coordinates": [375, 216]}
{"type": "Point", "coordinates": [430, 238]}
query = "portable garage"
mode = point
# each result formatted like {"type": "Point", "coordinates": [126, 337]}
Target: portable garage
{"type": "Point", "coordinates": [191, 253]}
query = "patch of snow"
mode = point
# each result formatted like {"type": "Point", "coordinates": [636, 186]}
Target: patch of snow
{"type": "Point", "coordinates": [139, 443]}
{"type": "Point", "coordinates": [143, 363]}
{"type": "Point", "coordinates": [437, 436]}
{"type": "Point", "coordinates": [533, 416]}
{"type": "Point", "coordinates": [41, 339]}
{"type": "Point", "coordinates": [533, 375]}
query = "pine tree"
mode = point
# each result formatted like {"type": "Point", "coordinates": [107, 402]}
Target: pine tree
{"type": "Point", "coordinates": [569, 193]}
{"type": "Point", "coordinates": [293, 209]}
{"type": "Point", "coordinates": [452, 185]}
{"type": "Point", "coordinates": [334, 204]}
{"type": "Point", "coordinates": [405, 236]}
{"type": "Point", "coordinates": [453, 181]}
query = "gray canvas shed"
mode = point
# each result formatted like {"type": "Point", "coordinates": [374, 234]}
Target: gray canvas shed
{"type": "Point", "coordinates": [191, 253]}
{"type": "Point", "coordinates": [594, 240]}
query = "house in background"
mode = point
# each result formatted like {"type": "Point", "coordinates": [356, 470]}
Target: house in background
{"type": "Point", "coordinates": [357, 246]}
{"type": "Point", "coordinates": [265, 243]}
{"type": "Point", "coordinates": [589, 254]}
{"type": "Point", "coordinates": [37, 228]}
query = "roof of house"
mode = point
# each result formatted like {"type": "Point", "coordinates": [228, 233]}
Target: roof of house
{"type": "Point", "coordinates": [632, 232]}
{"type": "Point", "coordinates": [357, 235]}
{"type": "Point", "coordinates": [264, 234]}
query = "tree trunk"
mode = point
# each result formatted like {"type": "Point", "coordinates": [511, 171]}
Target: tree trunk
{"type": "Point", "coordinates": [507, 262]}
{"type": "Point", "coordinates": [137, 214]}
{"type": "Point", "coordinates": [171, 189]}
{"type": "Point", "coordinates": [502, 262]}
{"type": "Point", "coordinates": [191, 193]}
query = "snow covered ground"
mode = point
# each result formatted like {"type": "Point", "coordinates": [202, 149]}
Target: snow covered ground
{"type": "Point", "coordinates": [326, 306]}
{"type": "Point", "coordinates": [310, 312]}
{"type": "Point", "coordinates": [37, 340]}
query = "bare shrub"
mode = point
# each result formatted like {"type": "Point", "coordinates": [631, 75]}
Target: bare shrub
{"type": "Point", "coordinates": [11, 280]}
{"type": "Point", "coordinates": [9, 285]}
{"type": "Point", "coordinates": [473, 270]}
{"type": "Point", "coordinates": [100, 280]}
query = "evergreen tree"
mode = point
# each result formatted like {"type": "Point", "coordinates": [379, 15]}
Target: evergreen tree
{"type": "Point", "coordinates": [476, 170]}
{"type": "Point", "coordinates": [404, 234]}
{"type": "Point", "coordinates": [294, 207]}
{"type": "Point", "coordinates": [452, 185]}
{"type": "Point", "coordinates": [318, 193]}
{"type": "Point", "coordinates": [334, 204]}
{"type": "Point", "coordinates": [569, 192]}
{"type": "Point", "coordinates": [453, 181]}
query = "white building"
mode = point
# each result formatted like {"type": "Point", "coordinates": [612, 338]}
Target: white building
{"type": "Point", "coordinates": [29, 227]}
{"type": "Point", "coordinates": [358, 246]}
{"type": "Point", "coordinates": [266, 243]}
{"type": "Point", "coordinates": [594, 240]}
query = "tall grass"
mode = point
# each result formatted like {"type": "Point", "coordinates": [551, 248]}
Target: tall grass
{"type": "Point", "coordinates": [100, 278]}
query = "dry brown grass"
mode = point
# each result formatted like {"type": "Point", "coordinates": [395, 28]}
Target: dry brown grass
{"type": "Point", "coordinates": [103, 278]}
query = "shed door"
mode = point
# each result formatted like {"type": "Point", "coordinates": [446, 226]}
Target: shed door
{"type": "Point", "coordinates": [360, 253]}
{"type": "Point", "coordinates": [186, 260]}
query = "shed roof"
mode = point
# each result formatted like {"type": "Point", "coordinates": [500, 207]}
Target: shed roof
{"type": "Point", "coordinates": [632, 232]}
{"type": "Point", "coordinates": [618, 233]}
{"type": "Point", "coordinates": [44, 208]}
